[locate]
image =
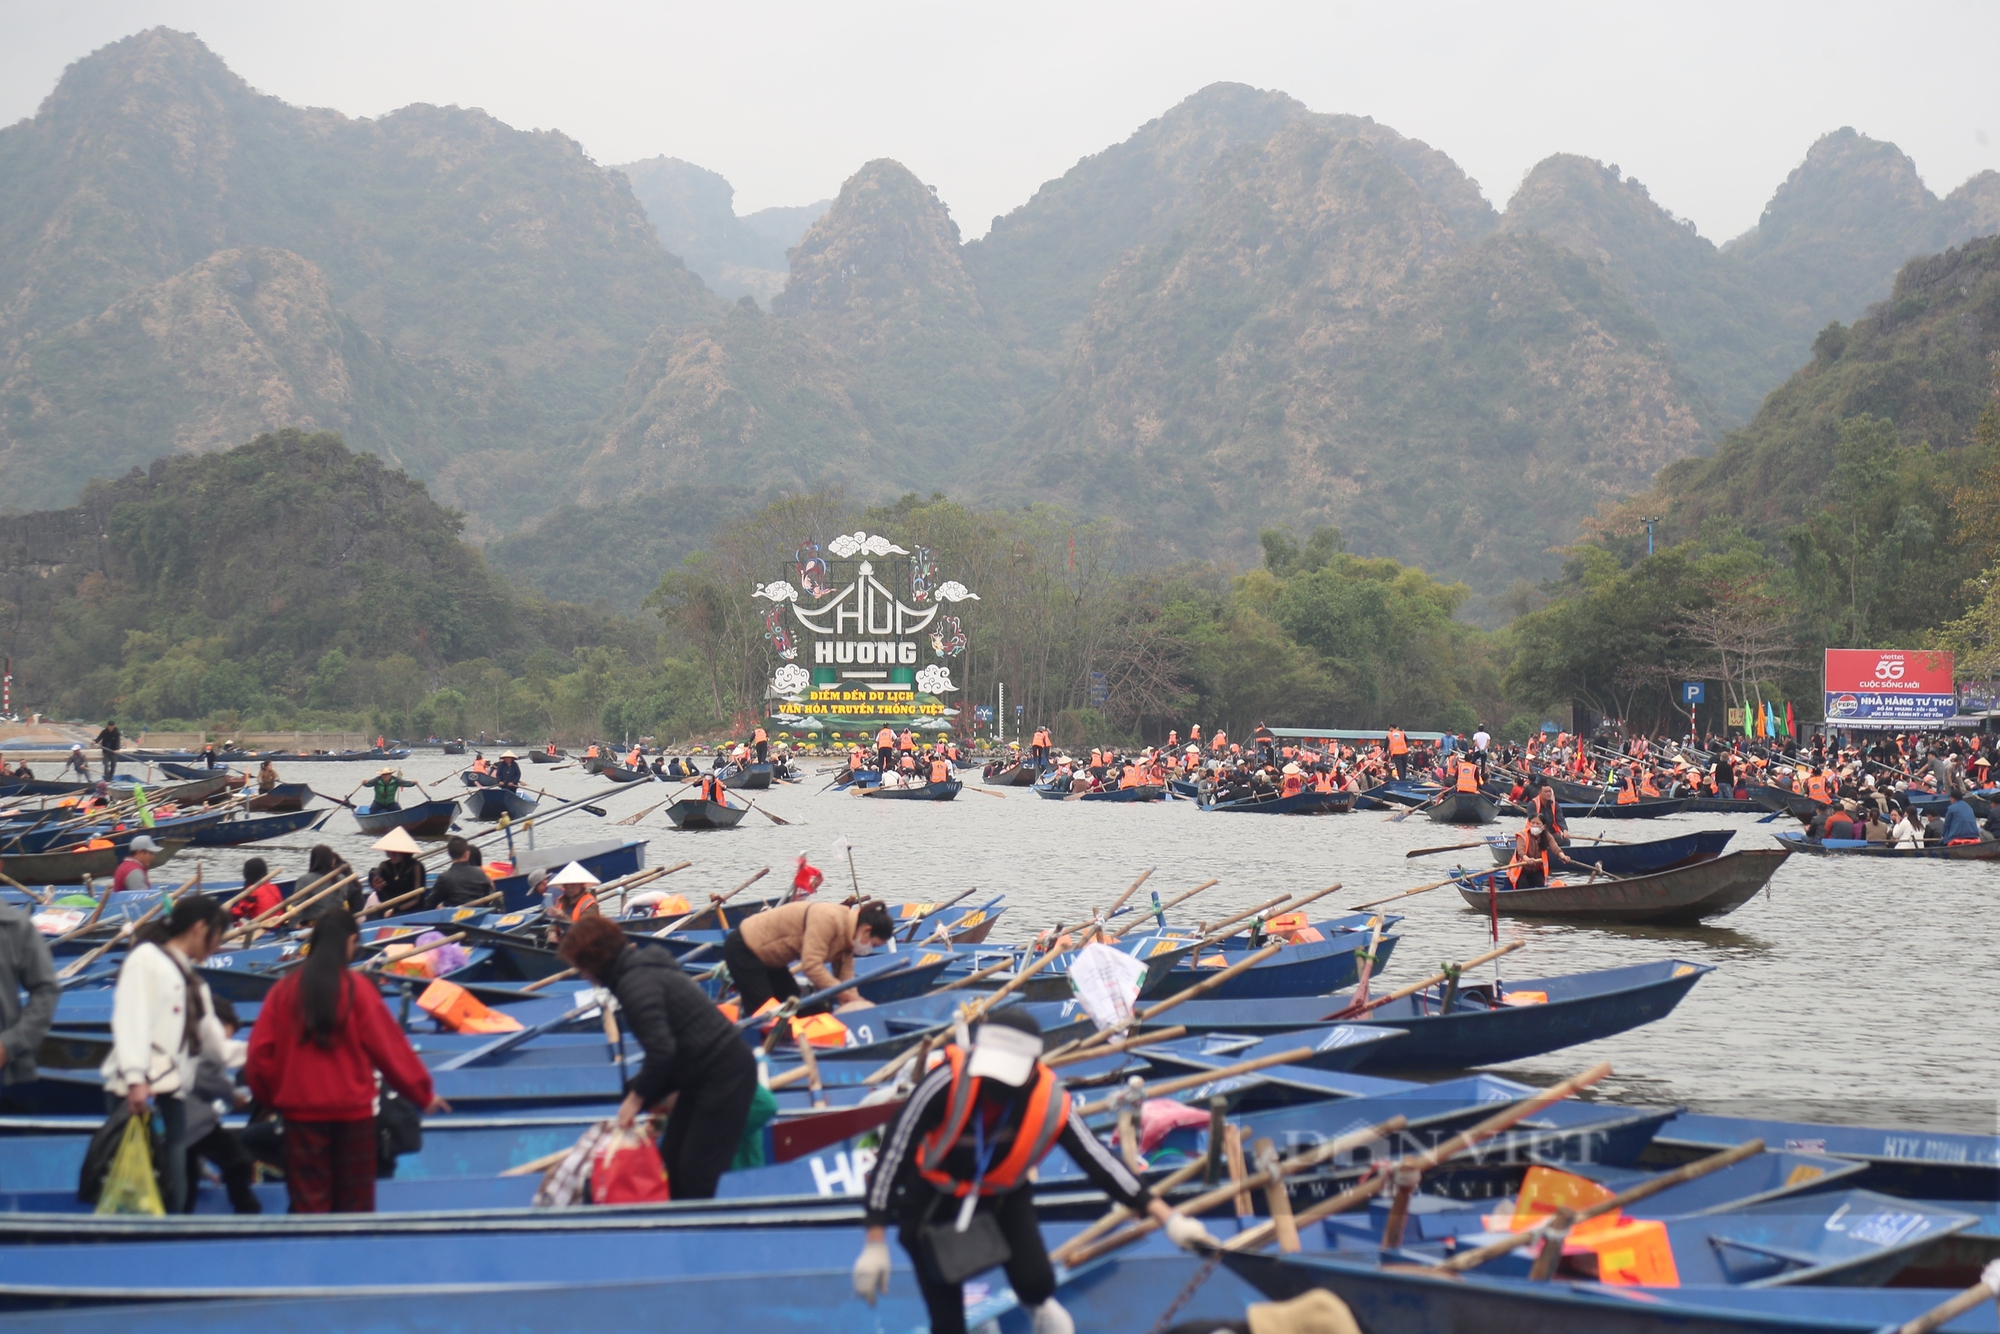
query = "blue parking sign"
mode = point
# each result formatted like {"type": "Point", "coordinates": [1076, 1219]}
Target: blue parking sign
{"type": "Point", "coordinates": [1693, 692]}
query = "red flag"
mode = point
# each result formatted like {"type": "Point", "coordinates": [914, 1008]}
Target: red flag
{"type": "Point", "coordinates": [1791, 723]}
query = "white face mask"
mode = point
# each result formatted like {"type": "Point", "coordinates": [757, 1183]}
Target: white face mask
{"type": "Point", "coordinates": [864, 947]}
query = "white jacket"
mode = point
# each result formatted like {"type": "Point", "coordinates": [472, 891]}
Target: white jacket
{"type": "Point", "coordinates": [149, 1026]}
{"type": "Point", "coordinates": [1906, 834]}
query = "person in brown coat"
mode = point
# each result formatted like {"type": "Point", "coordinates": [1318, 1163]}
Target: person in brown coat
{"type": "Point", "coordinates": [821, 938]}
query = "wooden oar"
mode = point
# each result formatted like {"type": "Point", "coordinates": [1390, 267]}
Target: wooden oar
{"type": "Point", "coordinates": [1399, 993]}
{"type": "Point", "coordinates": [383, 961]}
{"type": "Point", "coordinates": [1557, 1226]}
{"type": "Point", "coordinates": [1449, 847]}
{"type": "Point", "coordinates": [1985, 1290]}
{"type": "Point", "coordinates": [637, 816]}
{"type": "Point", "coordinates": [1161, 912]}
{"type": "Point", "coordinates": [1074, 1256]}
{"type": "Point", "coordinates": [715, 903]}
{"type": "Point", "coordinates": [941, 908]}
{"type": "Point", "coordinates": [1411, 1170]}
{"type": "Point", "coordinates": [265, 922]}
{"type": "Point", "coordinates": [1196, 1080]}
{"type": "Point", "coordinates": [774, 819]}
{"type": "Point", "coordinates": [981, 975]}
{"type": "Point", "coordinates": [1081, 1047]}
{"type": "Point", "coordinates": [131, 928]}
{"type": "Point", "coordinates": [984, 791]}
{"type": "Point", "coordinates": [1119, 902]}
{"type": "Point", "coordinates": [1420, 889]}
{"type": "Point", "coordinates": [1210, 934]}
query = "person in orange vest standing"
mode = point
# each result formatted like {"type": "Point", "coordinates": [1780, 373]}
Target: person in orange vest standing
{"type": "Point", "coordinates": [940, 768]}
{"type": "Point", "coordinates": [959, 1153]}
{"type": "Point", "coordinates": [885, 748]}
{"type": "Point", "coordinates": [762, 741]}
{"type": "Point", "coordinates": [1399, 752]}
{"type": "Point", "coordinates": [1041, 748]}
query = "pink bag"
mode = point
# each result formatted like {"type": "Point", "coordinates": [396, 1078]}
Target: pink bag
{"type": "Point", "coordinates": [627, 1170]}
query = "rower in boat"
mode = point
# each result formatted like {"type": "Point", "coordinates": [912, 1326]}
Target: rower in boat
{"type": "Point", "coordinates": [938, 1172]}
{"type": "Point", "coordinates": [821, 938]}
{"type": "Point", "coordinates": [507, 772]}
{"type": "Point", "coordinates": [400, 873]}
{"type": "Point", "coordinates": [461, 883]}
{"type": "Point", "coordinates": [571, 899]}
{"type": "Point", "coordinates": [762, 741]}
{"type": "Point", "coordinates": [384, 788]}
{"type": "Point", "coordinates": [1961, 826]}
{"type": "Point", "coordinates": [479, 764]}
{"type": "Point", "coordinates": [267, 777]}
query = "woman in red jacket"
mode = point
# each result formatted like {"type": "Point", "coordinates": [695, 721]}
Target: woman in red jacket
{"type": "Point", "coordinates": [320, 1037]}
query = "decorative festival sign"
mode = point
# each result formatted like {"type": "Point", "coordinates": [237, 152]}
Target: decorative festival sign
{"type": "Point", "coordinates": [1888, 688]}
{"type": "Point", "coordinates": [862, 631]}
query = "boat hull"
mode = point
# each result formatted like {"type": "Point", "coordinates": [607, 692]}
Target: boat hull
{"type": "Point", "coordinates": [1299, 803]}
{"type": "Point", "coordinates": [70, 868]}
{"type": "Point", "coordinates": [283, 797]}
{"type": "Point", "coordinates": [235, 833]}
{"type": "Point", "coordinates": [428, 819]}
{"type": "Point", "coordinates": [1464, 808]}
{"type": "Point", "coordinates": [1680, 896]}
{"type": "Point", "coordinates": [1635, 858]}
{"type": "Point", "coordinates": [1985, 850]}
{"type": "Point", "coordinates": [1646, 808]}
{"type": "Point", "coordinates": [925, 792]}
{"type": "Point", "coordinates": [698, 814]}
{"type": "Point", "coordinates": [490, 803]}
{"type": "Point", "coordinates": [749, 778]}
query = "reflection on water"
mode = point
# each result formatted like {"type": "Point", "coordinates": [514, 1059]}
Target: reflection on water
{"type": "Point", "coordinates": [1858, 989]}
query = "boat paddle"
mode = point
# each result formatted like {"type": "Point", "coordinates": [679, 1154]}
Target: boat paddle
{"type": "Point", "coordinates": [1159, 914]}
{"type": "Point", "coordinates": [715, 902]}
{"type": "Point", "coordinates": [1408, 811]}
{"type": "Point", "coordinates": [828, 993]}
{"type": "Point", "coordinates": [941, 908]}
{"type": "Point", "coordinates": [1985, 1290]}
{"type": "Point", "coordinates": [1407, 1173]}
{"type": "Point", "coordinates": [1555, 1229]}
{"type": "Point", "coordinates": [1353, 1011]}
{"type": "Point", "coordinates": [1449, 847]}
{"type": "Point", "coordinates": [986, 792]}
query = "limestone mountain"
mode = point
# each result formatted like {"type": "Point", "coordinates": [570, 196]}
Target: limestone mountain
{"type": "Point", "coordinates": [503, 270]}
{"type": "Point", "coordinates": [875, 366]}
{"type": "Point", "coordinates": [693, 210]}
{"type": "Point", "coordinates": [1741, 317]}
{"type": "Point", "coordinates": [1335, 337]}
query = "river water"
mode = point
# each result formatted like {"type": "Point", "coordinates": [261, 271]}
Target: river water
{"type": "Point", "coordinates": [1854, 990]}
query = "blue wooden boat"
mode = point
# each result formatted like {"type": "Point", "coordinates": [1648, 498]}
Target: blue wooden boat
{"type": "Point", "coordinates": [1581, 1007]}
{"type": "Point", "coordinates": [1022, 773]}
{"type": "Point", "coordinates": [857, 778]}
{"type": "Point", "coordinates": [922, 792]}
{"type": "Point", "coordinates": [193, 771]}
{"type": "Point", "coordinates": [1924, 1164]}
{"type": "Point", "coordinates": [254, 829]}
{"type": "Point", "coordinates": [1681, 895]}
{"type": "Point", "coordinates": [694, 813]}
{"type": "Point", "coordinates": [70, 868]}
{"type": "Point", "coordinates": [1986, 850]}
{"type": "Point", "coordinates": [1635, 858]}
{"type": "Point", "coordinates": [1299, 803]}
{"type": "Point", "coordinates": [490, 803]}
{"type": "Point", "coordinates": [282, 797]}
{"type": "Point", "coordinates": [607, 859]}
{"type": "Point", "coordinates": [1311, 968]}
{"type": "Point", "coordinates": [1463, 808]}
{"type": "Point", "coordinates": [1405, 1300]}
{"type": "Point", "coordinates": [426, 819]}
{"type": "Point", "coordinates": [55, 839]}
{"type": "Point", "coordinates": [748, 777]}
{"type": "Point", "coordinates": [1646, 808]}
{"type": "Point", "coordinates": [1143, 792]}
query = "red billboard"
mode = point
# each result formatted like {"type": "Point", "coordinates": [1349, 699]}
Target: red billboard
{"type": "Point", "coordinates": [1869, 687]}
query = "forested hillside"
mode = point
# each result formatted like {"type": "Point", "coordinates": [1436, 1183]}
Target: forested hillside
{"type": "Point", "coordinates": [289, 579]}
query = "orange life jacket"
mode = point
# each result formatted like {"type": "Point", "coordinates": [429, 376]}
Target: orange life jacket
{"type": "Point", "coordinates": [479, 766]}
{"type": "Point", "coordinates": [758, 735]}
{"type": "Point", "coordinates": [1041, 1123]}
{"type": "Point", "coordinates": [1398, 743]}
{"type": "Point", "coordinates": [1627, 796]}
{"type": "Point", "coordinates": [1816, 787]}
{"type": "Point", "coordinates": [1132, 778]}
{"type": "Point", "coordinates": [1521, 845]}
{"type": "Point", "coordinates": [588, 903]}
{"type": "Point", "coordinates": [940, 770]}
{"type": "Point", "coordinates": [1647, 787]}
{"type": "Point", "coordinates": [885, 739]}
{"type": "Point", "coordinates": [1468, 777]}
{"type": "Point", "coordinates": [909, 741]}
{"type": "Point", "coordinates": [712, 790]}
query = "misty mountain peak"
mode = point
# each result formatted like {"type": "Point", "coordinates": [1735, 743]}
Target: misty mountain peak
{"type": "Point", "coordinates": [887, 244]}
{"type": "Point", "coordinates": [1848, 180]}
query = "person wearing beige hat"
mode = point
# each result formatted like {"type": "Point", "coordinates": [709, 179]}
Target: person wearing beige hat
{"type": "Point", "coordinates": [507, 772]}
{"type": "Point", "coordinates": [400, 873]}
{"type": "Point", "coordinates": [383, 790]}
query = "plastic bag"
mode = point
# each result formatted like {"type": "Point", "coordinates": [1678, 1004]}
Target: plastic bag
{"type": "Point", "coordinates": [129, 1187]}
{"type": "Point", "coordinates": [627, 1170]}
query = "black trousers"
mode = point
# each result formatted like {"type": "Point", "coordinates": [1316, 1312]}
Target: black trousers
{"type": "Point", "coordinates": [1402, 763]}
{"type": "Point", "coordinates": [762, 746]}
{"type": "Point", "coordinates": [885, 758]}
{"type": "Point", "coordinates": [110, 762]}
{"type": "Point", "coordinates": [756, 981]}
{"type": "Point", "coordinates": [221, 1147]}
{"type": "Point", "coordinates": [707, 1122]}
{"type": "Point", "coordinates": [173, 1144]}
{"type": "Point", "coordinates": [1028, 1268]}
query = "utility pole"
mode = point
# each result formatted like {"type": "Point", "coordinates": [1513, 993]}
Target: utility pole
{"type": "Point", "coordinates": [1649, 522]}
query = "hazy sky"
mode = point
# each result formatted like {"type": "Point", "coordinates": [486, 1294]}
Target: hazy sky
{"type": "Point", "coordinates": [1711, 105]}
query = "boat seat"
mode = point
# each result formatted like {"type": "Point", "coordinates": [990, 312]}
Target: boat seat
{"type": "Point", "coordinates": [1774, 1259]}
